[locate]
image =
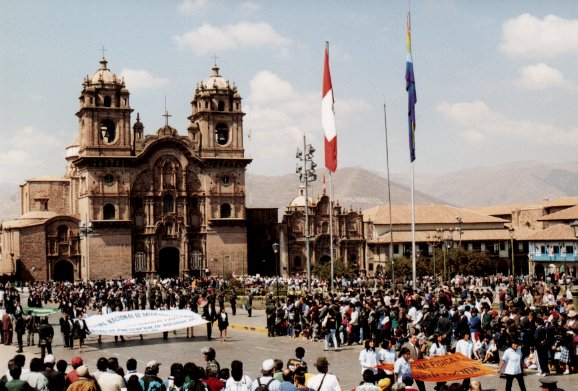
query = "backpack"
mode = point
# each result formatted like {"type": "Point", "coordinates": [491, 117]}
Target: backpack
{"type": "Point", "coordinates": [151, 385]}
{"type": "Point", "coordinates": [263, 387]}
{"type": "Point", "coordinates": [196, 385]}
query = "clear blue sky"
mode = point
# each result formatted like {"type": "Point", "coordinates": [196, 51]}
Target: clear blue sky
{"type": "Point", "coordinates": [496, 81]}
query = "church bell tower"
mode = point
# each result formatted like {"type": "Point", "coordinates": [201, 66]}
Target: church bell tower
{"type": "Point", "coordinates": [104, 115]}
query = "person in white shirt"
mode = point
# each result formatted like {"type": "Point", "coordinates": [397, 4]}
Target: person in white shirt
{"type": "Point", "coordinates": [512, 366]}
{"type": "Point", "coordinates": [267, 378]}
{"type": "Point", "coordinates": [368, 357]}
{"type": "Point", "coordinates": [131, 369]}
{"type": "Point", "coordinates": [401, 366]}
{"type": "Point", "coordinates": [438, 348]}
{"type": "Point", "coordinates": [323, 381]}
{"type": "Point", "coordinates": [238, 381]}
{"type": "Point", "coordinates": [386, 355]}
{"type": "Point", "coordinates": [465, 347]}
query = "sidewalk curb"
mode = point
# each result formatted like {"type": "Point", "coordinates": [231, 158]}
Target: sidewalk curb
{"type": "Point", "coordinates": [248, 328]}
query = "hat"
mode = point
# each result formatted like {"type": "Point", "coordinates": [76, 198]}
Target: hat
{"type": "Point", "coordinates": [152, 364]}
{"type": "Point", "coordinates": [212, 367]}
{"type": "Point", "coordinates": [49, 359]}
{"type": "Point", "coordinates": [206, 350]}
{"type": "Point", "coordinates": [76, 361]}
{"type": "Point", "coordinates": [82, 371]}
{"type": "Point", "coordinates": [571, 313]}
{"type": "Point", "coordinates": [384, 383]}
{"type": "Point", "coordinates": [321, 362]}
{"type": "Point", "coordinates": [548, 383]}
{"type": "Point", "coordinates": [268, 365]}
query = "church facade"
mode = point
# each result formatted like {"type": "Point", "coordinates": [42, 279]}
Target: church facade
{"type": "Point", "coordinates": [163, 204]}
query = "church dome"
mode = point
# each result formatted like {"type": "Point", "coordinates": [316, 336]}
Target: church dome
{"type": "Point", "coordinates": [103, 75]}
{"type": "Point", "coordinates": [300, 199]}
{"type": "Point", "coordinates": [215, 80]}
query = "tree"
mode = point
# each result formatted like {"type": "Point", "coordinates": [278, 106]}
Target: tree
{"type": "Point", "coordinates": [470, 262]}
{"type": "Point", "coordinates": [323, 270]}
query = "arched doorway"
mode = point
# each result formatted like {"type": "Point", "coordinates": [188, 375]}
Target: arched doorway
{"type": "Point", "coordinates": [325, 260]}
{"type": "Point", "coordinates": [63, 271]}
{"type": "Point", "coordinates": [169, 262]}
{"type": "Point", "coordinates": [539, 271]}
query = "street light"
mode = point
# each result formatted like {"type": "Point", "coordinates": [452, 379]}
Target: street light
{"type": "Point", "coordinates": [85, 228]}
{"type": "Point", "coordinates": [307, 174]}
{"type": "Point", "coordinates": [434, 243]}
{"type": "Point", "coordinates": [459, 229]}
{"type": "Point", "coordinates": [511, 229]}
{"type": "Point", "coordinates": [276, 251]}
{"type": "Point", "coordinates": [448, 241]}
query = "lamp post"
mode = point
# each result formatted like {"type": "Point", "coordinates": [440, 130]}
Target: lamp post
{"type": "Point", "coordinates": [276, 251]}
{"type": "Point", "coordinates": [434, 243]}
{"type": "Point", "coordinates": [448, 241]}
{"type": "Point", "coordinates": [307, 174]}
{"type": "Point", "coordinates": [512, 251]}
{"type": "Point", "coordinates": [459, 229]}
{"type": "Point", "coordinates": [85, 228]}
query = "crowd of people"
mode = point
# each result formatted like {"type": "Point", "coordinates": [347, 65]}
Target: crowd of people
{"type": "Point", "coordinates": [107, 374]}
{"type": "Point", "coordinates": [517, 323]}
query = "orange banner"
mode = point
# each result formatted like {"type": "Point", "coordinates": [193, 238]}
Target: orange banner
{"type": "Point", "coordinates": [445, 368]}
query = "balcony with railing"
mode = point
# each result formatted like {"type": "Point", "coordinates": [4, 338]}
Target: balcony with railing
{"type": "Point", "coordinates": [553, 257]}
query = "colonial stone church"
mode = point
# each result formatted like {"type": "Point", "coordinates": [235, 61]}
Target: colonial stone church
{"type": "Point", "coordinates": [130, 204]}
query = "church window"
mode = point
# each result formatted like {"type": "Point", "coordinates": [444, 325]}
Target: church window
{"type": "Point", "coordinates": [225, 211]}
{"type": "Point", "coordinates": [63, 233]}
{"type": "Point", "coordinates": [297, 261]}
{"type": "Point", "coordinates": [325, 227]}
{"type": "Point", "coordinates": [222, 134]}
{"type": "Point", "coordinates": [221, 106]}
{"type": "Point", "coordinates": [108, 212]}
{"type": "Point", "coordinates": [107, 101]}
{"type": "Point", "coordinates": [168, 203]}
{"type": "Point", "coordinates": [109, 179]}
{"type": "Point", "coordinates": [206, 105]}
{"type": "Point", "coordinates": [107, 131]}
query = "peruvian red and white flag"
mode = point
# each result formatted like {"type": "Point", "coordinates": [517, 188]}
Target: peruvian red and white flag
{"type": "Point", "coordinates": [328, 117]}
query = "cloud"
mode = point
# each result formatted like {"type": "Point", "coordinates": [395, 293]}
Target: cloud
{"type": "Point", "coordinates": [30, 152]}
{"type": "Point", "coordinates": [248, 7]}
{"type": "Point", "coordinates": [210, 39]}
{"type": "Point", "coordinates": [478, 122]}
{"type": "Point", "coordinates": [279, 115]}
{"type": "Point", "coordinates": [140, 79]}
{"type": "Point", "coordinates": [541, 76]}
{"type": "Point", "coordinates": [188, 6]}
{"type": "Point", "coordinates": [527, 36]}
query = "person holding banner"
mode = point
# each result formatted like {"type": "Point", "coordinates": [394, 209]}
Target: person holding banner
{"type": "Point", "coordinates": [401, 366]}
{"type": "Point", "coordinates": [438, 348]}
{"type": "Point", "coordinates": [512, 365]}
{"type": "Point", "coordinates": [465, 347]}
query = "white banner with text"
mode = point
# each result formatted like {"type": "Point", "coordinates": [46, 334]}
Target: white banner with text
{"type": "Point", "coordinates": [142, 322]}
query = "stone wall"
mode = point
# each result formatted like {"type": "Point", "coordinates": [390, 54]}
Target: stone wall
{"type": "Point", "coordinates": [110, 254]}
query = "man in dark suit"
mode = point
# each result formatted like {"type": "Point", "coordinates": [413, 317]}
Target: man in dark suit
{"type": "Point", "coordinates": [66, 327]}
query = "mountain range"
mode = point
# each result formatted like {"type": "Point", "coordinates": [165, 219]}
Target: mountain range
{"type": "Point", "coordinates": [360, 189]}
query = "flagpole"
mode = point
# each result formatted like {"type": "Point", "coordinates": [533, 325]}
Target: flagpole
{"type": "Point", "coordinates": [331, 230]}
{"type": "Point", "coordinates": [389, 198]}
{"type": "Point", "coordinates": [413, 260]}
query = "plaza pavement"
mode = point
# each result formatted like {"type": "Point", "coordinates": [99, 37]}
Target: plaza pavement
{"type": "Point", "coordinates": [247, 342]}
